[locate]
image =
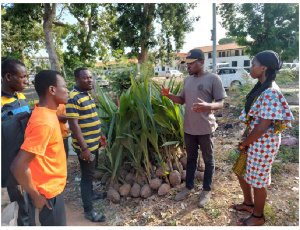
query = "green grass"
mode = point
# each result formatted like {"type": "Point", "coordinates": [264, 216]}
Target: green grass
{"type": "Point", "coordinates": [288, 155]}
{"type": "Point", "coordinates": [32, 103]}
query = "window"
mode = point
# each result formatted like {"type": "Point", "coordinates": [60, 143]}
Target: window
{"type": "Point", "coordinates": [223, 54]}
{"type": "Point", "coordinates": [237, 53]}
{"type": "Point", "coordinates": [246, 62]}
{"type": "Point", "coordinates": [242, 52]}
{"type": "Point", "coordinates": [163, 69]}
{"type": "Point", "coordinates": [234, 63]}
{"type": "Point", "coordinates": [220, 54]}
{"type": "Point", "coordinates": [168, 68]}
{"type": "Point", "coordinates": [209, 55]}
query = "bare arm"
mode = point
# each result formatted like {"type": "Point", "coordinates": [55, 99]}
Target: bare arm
{"type": "Point", "coordinates": [76, 130]}
{"type": "Point", "coordinates": [202, 105]}
{"type": "Point", "coordinates": [257, 132]}
{"type": "Point", "coordinates": [22, 173]}
{"type": "Point", "coordinates": [62, 118]}
{"type": "Point", "coordinates": [174, 98]}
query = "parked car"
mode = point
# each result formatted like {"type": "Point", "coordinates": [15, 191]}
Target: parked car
{"type": "Point", "coordinates": [102, 82]}
{"type": "Point", "coordinates": [234, 76]}
{"type": "Point", "coordinates": [173, 73]}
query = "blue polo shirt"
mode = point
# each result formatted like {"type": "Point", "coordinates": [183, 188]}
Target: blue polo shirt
{"type": "Point", "coordinates": [82, 106]}
{"type": "Point", "coordinates": [16, 103]}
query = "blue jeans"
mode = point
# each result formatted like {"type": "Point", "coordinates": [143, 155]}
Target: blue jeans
{"type": "Point", "coordinates": [192, 143]}
{"type": "Point", "coordinates": [87, 176]}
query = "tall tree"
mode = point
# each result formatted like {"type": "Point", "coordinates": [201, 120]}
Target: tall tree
{"type": "Point", "coordinates": [28, 27]}
{"type": "Point", "coordinates": [89, 37]}
{"type": "Point", "coordinates": [271, 26]}
{"type": "Point", "coordinates": [48, 16]}
{"type": "Point", "coordinates": [135, 26]}
{"type": "Point", "coordinates": [21, 30]}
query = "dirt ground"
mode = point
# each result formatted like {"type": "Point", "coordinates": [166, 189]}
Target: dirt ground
{"type": "Point", "coordinates": [281, 209]}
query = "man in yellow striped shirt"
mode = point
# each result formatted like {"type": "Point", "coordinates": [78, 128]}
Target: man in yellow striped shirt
{"type": "Point", "coordinates": [86, 136]}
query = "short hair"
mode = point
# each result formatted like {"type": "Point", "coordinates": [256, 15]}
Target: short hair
{"type": "Point", "coordinates": [43, 80]}
{"type": "Point", "coordinates": [10, 66]}
{"type": "Point", "coordinates": [77, 71]}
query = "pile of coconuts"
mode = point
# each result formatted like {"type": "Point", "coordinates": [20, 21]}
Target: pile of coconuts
{"type": "Point", "coordinates": [136, 186]}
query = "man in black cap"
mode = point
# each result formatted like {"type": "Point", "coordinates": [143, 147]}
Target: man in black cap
{"type": "Point", "coordinates": [202, 92]}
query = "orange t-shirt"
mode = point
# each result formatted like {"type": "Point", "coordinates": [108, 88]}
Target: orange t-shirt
{"type": "Point", "coordinates": [43, 138]}
{"type": "Point", "coordinates": [61, 110]}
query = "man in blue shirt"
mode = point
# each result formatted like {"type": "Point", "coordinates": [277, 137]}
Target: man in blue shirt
{"type": "Point", "coordinates": [15, 80]}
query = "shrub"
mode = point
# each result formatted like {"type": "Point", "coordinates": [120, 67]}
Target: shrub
{"type": "Point", "coordinates": [288, 155]}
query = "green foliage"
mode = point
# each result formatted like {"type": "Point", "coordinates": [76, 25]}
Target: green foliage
{"type": "Point", "coordinates": [272, 26]}
{"type": "Point", "coordinates": [134, 27]}
{"type": "Point", "coordinates": [134, 131]}
{"type": "Point", "coordinates": [296, 132]}
{"type": "Point", "coordinates": [88, 39]}
{"type": "Point", "coordinates": [21, 29]}
{"type": "Point", "coordinates": [288, 155]}
{"type": "Point", "coordinates": [285, 76]}
{"type": "Point", "coordinates": [232, 156]}
{"type": "Point", "coordinates": [227, 40]}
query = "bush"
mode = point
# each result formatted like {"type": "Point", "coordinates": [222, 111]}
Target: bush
{"type": "Point", "coordinates": [288, 155]}
{"type": "Point", "coordinates": [232, 156]}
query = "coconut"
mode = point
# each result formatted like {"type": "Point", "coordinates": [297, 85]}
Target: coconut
{"type": "Point", "coordinates": [140, 180]}
{"type": "Point", "coordinates": [129, 178]}
{"type": "Point", "coordinates": [183, 175]}
{"type": "Point", "coordinates": [135, 190]}
{"type": "Point", "coordinates": [163, 190]}
{"type": "Point", "coordinates": [201, 165]}
{"type": "Point", "coordinates": [199, 176]}
{"type": "Point", "coordinates": [105, 178]}
{"type": "Point", "coordinates": [146, 191]}
{"type": "Point", "coordinates": [125, 189]}
{"type": "Point", "coordinates": [98, 175]}
{"type": "Point", "coordinates": [176, 168]}
{"type": "Point", "coordinates": [155, 183]}
{"type": "Point", "coordinates": [159, 172]}
{"type": "Point", "coordinates": [116, 186]}
{"type": "Point", "coordinates": [175, 178]}
{"type": "Point", "coordinates": [183, 161]}
{"type": "Point", "coordinates": [113, 195]}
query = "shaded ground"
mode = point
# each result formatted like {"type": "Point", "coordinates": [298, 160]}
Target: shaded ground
{"type": "Point", "coordinates": [282, 207]}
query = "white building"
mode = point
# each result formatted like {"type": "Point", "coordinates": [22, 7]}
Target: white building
{"type": "Point", "coordinates": [230, 53]}
{"type": "Point", "coordinates": [175, 64]}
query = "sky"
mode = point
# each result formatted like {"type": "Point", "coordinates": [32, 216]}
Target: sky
{"type": "Point", "coordinates": [201, 36]}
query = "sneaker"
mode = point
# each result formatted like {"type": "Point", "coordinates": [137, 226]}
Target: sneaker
{"type": "Point", "coordinates": [183, 194]}
{"type": "Point", "coordinates": [94, 216]}
{"type": "Point", "coordinates": [97, 196]}
{"type": "Point", "coordinates": [204, 198]}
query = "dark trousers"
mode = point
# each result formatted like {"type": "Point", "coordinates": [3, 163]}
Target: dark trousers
{"type": "Point", "coordinates": [192, 143]}
{"type": "Point", "coordinates": [26, 210]}
{"type": "Point", "coordinates": [56, 216]}
{"type": "Point", "coordinates": [66, 145]}
{"type": "Point", "coordinates": [87, 176]}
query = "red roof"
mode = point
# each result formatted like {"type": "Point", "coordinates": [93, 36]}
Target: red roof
{"type": "Point", "coordinates": [228, 46]}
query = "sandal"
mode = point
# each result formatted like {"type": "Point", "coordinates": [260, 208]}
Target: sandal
{"type": "Point", "coordinates": [253, 216]}
{"type": "Point", "coordinates": [94, 216]}
{"type": "Point", "coordinates": [234, 206]}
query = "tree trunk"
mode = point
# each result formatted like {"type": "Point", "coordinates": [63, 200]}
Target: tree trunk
{"type": "Point", "coordinates": [148, 16]}
{"type": "Point", "coordinates": [47, 27]}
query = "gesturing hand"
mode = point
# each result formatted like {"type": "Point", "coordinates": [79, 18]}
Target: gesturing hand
{"type": "Point", "coordinates": [201, 106]}
{"type": "Point", "coordinates": [164, 91]}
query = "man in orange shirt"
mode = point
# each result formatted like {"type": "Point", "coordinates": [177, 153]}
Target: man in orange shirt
{"type": "Point", "coordinates": [40, 166]}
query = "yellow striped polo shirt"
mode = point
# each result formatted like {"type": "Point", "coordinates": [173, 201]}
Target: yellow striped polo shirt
{"type": "Point", "coordinates": [82, 106]}
{"type": "Point", "coordinates": [16, 103]}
